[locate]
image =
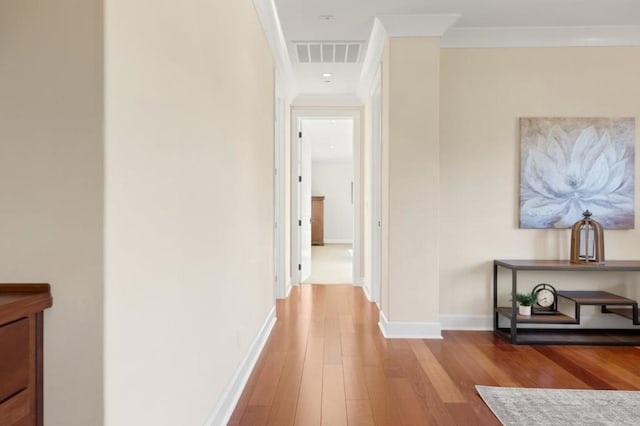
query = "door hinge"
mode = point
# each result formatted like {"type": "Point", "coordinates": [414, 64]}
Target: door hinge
{"type": "Point", "coordinates": [299, 178]}
{"type": "Point", "coordinates": [299, 222]}
{"type": "Point", "coordinates": [299, 134]}
{"type": "Point", "coordinates": [299, 267]}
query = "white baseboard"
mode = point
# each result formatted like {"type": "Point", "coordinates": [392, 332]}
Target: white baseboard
{"type": "Point", "coordinates": [288, 287]}
{"type": "Point", "coordinates": [409, 330]}
{"type": "Point", "coordinates": [337, 241]}
{"type": "Point", "coordinates": [366, 287]}
{"type": "Point", "coordinates": [466, 322]}
{"type": "Point", "coordinates": [227, 402]}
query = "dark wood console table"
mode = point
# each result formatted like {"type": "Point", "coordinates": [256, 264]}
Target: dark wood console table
{"type": "Point", "coordinates": [609, 303]}
{"type": "Point", "coordinates": [21, 355]}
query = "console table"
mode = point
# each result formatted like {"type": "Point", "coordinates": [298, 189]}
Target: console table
{"type": "Point", "coordinates": [21, 355]}
{"type": "Point", "coordinates": [609, 303]}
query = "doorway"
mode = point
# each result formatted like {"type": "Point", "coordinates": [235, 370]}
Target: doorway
{"type": "Point", "coordinates": [325, 194]}
{"type": "Point", "coordinates": [332, 199]}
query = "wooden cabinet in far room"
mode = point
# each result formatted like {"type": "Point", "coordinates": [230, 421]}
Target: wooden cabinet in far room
{"type": "Point", "coordinates": [317, 220]}
{"type": "Point", "coordinates": [21, 353]}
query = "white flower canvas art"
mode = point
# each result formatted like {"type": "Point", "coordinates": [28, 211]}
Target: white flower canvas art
{"type": "Point", "coordinates": [569, 165]}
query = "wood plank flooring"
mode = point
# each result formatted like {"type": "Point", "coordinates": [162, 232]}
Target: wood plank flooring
{"type": "Point", "coordinates": [326, 363]}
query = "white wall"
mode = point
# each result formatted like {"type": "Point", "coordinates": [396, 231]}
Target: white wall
{"type": "Point", "coordinates": [51, 188]}
{"type": "Point", "coordinates": [333, 179]}
{"type": "Point", "coordinates": [189, 204]}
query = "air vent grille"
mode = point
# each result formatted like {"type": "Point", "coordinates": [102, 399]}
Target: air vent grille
{"type": "Point", "coordinates": [316, 52]}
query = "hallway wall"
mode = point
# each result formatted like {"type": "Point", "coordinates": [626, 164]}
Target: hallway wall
{"type": "Point", "coordinates": [189, 204]}
{"type": "Point", "coordinates": [484, 92]}
{"type": "Point", "coordinates": [51, 188]}
{"type": "Point", "coordinates": [410, 188]}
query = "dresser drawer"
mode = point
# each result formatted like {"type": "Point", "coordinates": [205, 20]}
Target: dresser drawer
{"type": "Point", "coordinates": [14, 358]}
{"type": "Point", "coordinates": [17, 410]}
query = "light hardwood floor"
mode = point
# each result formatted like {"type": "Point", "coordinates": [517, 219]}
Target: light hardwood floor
{"type": "Point", "coordinates": [331, 264]}
{"type": "Point", "coordinates": [326, 363]}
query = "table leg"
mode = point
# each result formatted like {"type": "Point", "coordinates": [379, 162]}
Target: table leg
{"type": "Point", "coordinates": [514, 306]}
{"type": "Point", "coordinates": [495, 297]}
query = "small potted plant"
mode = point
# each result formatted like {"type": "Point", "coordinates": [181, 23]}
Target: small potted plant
{"type": "Point", "coordinates": [526, 300]}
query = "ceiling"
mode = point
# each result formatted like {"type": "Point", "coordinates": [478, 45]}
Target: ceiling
{"type": "Point", "coordinates": [352, 21]}
{"type": "Point", "coordinates": [331, 139]}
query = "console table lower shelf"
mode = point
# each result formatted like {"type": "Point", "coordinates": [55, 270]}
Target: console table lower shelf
{"type": "Point", "coordinates": [600, 337]}
{"type": "Point", "coordinates": [609, 304]}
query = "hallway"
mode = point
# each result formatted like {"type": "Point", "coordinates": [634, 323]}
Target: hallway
{"type": "Point", "coordinates": [327, 363]}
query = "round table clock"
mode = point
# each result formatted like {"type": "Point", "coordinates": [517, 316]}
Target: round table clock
{"type": "Point", "coordinates": [547, 299]}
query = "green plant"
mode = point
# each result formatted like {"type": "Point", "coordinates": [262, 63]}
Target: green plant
{"type": "Point", "coordinates": [526, 299]}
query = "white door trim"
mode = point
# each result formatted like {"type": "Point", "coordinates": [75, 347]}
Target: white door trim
{"type": "Point", "coordinates": [297, 115]}
{"type": "Point", "coordinates": [376, 188]}
{"type": "Point", "coordinates": [281, 277]}
{"type": "Point", "coordinates": [304, 192]}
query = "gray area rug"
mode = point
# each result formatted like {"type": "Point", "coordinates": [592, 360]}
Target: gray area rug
{"type": "Point", "coordinates": [527, 406]}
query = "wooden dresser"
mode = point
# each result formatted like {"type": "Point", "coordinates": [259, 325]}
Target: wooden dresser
{"type": "Point", "coordinates": [317, 220]}
{"type": "Point", "coordinates": [21, 336]}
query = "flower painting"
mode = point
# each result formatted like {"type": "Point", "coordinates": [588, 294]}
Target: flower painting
{"type": "Point", "coordinates": [569, 165]}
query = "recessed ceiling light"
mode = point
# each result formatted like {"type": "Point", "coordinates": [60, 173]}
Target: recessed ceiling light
{"type": "Point", "coordinates": [327, 74]}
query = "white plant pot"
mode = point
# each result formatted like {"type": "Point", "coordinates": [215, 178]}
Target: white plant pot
{"type": "Point", "coordinates": [524, 310]}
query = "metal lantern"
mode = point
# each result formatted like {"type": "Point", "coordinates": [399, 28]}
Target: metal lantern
{"type": "Point", "coordinates": [587, 241]}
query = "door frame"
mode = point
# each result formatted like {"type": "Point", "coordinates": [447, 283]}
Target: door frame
{"type": "Point", "coordinates": [304, 159]}
{"type": "Point", "coordinates": [297, 115]}
{"type": "Point", "coordinates": [375, 262]}
{"type": "Point", "coordinates": [281, 277]}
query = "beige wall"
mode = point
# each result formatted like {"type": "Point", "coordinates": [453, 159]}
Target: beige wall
{"type": "Point", "coordinates": [411, 147]}
{"type": "Point", "coordinates": [483, 93]}
{"type": "Point", "coordinates": [189, 204]}
{"type": "Point", "coordinates": [51, 187]}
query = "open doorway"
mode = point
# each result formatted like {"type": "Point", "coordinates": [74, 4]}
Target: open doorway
{"type": "Point", "coordinates": [332, 199]}
{"type": "Point", "coordinates": [325, 194]}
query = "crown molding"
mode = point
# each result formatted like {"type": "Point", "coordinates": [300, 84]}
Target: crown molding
{"type": "Point", "coordinates": [268, 16]}
{"type": "Point", "coordinates": [418, 25]}
{"type": "Point", "coordinates": [385, 26]}
{"type": "Point", "coordinates": [541, 37]}
{"type": "Point", "coordinates": [372, 57]}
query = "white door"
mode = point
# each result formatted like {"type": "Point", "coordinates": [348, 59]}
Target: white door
{"type": "Point", "coordinates": [304, 182]}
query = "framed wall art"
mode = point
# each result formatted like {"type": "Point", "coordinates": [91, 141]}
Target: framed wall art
{"type": "Point", "coordinates": [569, 165]}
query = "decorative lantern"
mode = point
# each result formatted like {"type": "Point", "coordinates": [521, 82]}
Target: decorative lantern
{"type": "Point", "coordinates": [587, 241]}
